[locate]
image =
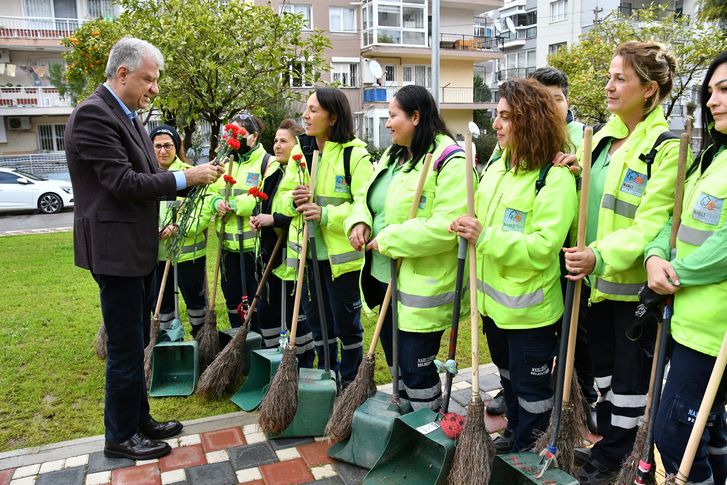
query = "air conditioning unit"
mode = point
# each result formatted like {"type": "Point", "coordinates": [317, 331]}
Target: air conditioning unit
{"type": "Point", "coordinates": [4, 56]}
{"type": "Point", "coordinates": [18, 123]}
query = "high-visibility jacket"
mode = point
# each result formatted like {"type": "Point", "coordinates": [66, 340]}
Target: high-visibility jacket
{"type": "Point", "coordinates": [634, 207]}
{"type": "Point", "coordinates": [195, 242]}
{"type": "Point", "coordinates": [247, 174]}
{"type": "Point", "coordinates": [335, 197]}
{"type": "Point", "coordinates": [427, 249]}
{"type": "Point", "coordinates": [699, 311]}
{"type": "Point", "coordinates": [518, 267]}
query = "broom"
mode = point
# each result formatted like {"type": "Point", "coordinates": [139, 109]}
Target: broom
{"type": "Point", "coordinates": [566, 421]}
{"type": "Point", "coordinates": [362, 387]}
{"type": "Point", "coordinates": [704, 409]}
{"type": "Point", "coordinates": [100, 344]}
{"type": "Point", "coordinates": [280, 404]}
{"type": "Point", "coordinates": [637, 465]}
{"type": "Point", "coordinates": [209, 340]}
{"type": "Point", "coordinates": [475, 452]}
{"type": "Point", "coordinates": [154, 332]}
{"type": "Point", "coordinates": [227, 366]}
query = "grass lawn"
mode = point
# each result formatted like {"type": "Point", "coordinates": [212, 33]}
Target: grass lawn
{"type": "Point", "coordinates": [52, 384]}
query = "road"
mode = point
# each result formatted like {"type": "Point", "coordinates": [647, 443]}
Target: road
{"type": "Point", "coordinates": [30, 222]}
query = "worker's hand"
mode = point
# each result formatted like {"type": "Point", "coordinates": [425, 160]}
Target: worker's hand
{"type": "Point", "coordinates": [169, 231]}
{"type": "Point", "coordinates": [359, 235]}
{"type": "Point", "coordinates": [467, 227]}
{"type": "Point", "coordinates": [204, 174]}
{"type": "Point", "coordinates": [310, 211]}
{"type": "Point", "coordinates": [661, 276]}
{"type": "Point", "coordinates": [301, 195]}
{"type": "Point", "coordinates": [373, 246]}
{"type": "Point", "coordinates": [223, 208]}
{"type": "Point", "coordinates": [567, 160]}
{"type": "Point", "coordinates": [261, 220]}
{"type": "Point", "coordinates": [579, 263]}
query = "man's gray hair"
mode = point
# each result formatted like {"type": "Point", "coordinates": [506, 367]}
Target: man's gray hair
{"type": "Point", "coordinates": [130, 52]}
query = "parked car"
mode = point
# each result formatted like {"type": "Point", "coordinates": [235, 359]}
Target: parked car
{"type": "Point", "coordinates": [22, 190]}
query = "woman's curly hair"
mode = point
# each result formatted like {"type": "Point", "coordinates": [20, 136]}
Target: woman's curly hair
{"type": "Point", "coordinates": [538, 130]}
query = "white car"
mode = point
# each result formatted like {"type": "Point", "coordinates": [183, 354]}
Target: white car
{"type": "Point", "coordinates": [22, 190]}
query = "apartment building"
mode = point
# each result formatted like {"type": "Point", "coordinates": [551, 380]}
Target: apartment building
{"type": "Point", "coordinates": [397, 35]}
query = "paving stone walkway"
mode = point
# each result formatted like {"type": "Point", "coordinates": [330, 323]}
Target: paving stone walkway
{"type": "Point", "coordinates": [221, 450]}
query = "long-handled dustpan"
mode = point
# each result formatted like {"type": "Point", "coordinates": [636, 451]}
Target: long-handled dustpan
{"type": "Point", "coordinates": [531, 467]}
{"type": "Point", "coordinates": [373, 421]}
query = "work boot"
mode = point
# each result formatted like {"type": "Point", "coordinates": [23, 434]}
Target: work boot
{"type": "Point", "coordinates": [497, 405]}
{"type": "Point", "coordinates": [581, 456]}
{"type": "Point", "coordinates": [504, 442]}
{"type": "Point", "coordinates": [594, 472]}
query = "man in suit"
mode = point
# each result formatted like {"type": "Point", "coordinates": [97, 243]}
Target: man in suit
{"type": "Point", "coordinates": [117, 186]}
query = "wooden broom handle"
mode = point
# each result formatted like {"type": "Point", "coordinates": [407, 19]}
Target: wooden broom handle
{"type": "Point", "coordinates": [158, 306]}
{"type": "Point", "coordinates": [220, 237]}
{"type": "Point", "coordinates": [383, 309]}
{"type": "Point", "coordinates": [302, 254]}
{"type": "Point", "coordinates": [581, 245]}
{"type": "Point", "coordinates": [474, 311]}
{"type": "Point", "coordinates": [707, 401]}
{"type": "Point", "coordinates": [679, 193]}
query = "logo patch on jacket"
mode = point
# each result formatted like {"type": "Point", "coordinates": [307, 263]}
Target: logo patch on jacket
{"type": "Point", "coordinates": [514, 220]}
{"type": "Point", "coordinates": [252, 179]}
{"type": "Point", "coordinates": [341, 185]}
{"type": "Point", "coordinates": [708, 209]}
{"type": "Point", "coordinates": [422, 201]}
{"type": "Point", "coordinates": [634, 183]}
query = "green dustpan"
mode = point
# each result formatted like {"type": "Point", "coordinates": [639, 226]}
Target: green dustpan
{"type": "Point", "coordinates": [523, 468]}
{"type": "Point", "coordinates": [253, 342]}
{"type": "Point", "coordinates": [175, 369]}
{"type": "Point", "coordinates": [316, 393]}
{"type": "Point", "coordinates": [417, 452]}
{"type": "Point", "coordinates": [263, 366]}
{"type": "Point", "coordinates": [370, 431]}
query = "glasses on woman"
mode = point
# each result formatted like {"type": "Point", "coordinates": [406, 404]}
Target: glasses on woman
{"type": "Point", "coordinates": [244, 117]}
{"type": "Point", "coordinates": [167, 147]}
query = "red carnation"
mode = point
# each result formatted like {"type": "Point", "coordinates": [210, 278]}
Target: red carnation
{"type": "Point", "coordinates": [231, 127]}
{"type": "Point", "coordinates": [242, 132]}
{"type": "Point", "coordinates": [262, 195]}
{"type": "Point", "coordinates": [229, 179]}
{"type": "Point", "coordinates": [302, 164]}
{"type": "Point", "coordinates": [297, 157]}
{"type": "Point", "coordinates": [233, 143]}
{"type": "Point", "coordinates": [253, 191]}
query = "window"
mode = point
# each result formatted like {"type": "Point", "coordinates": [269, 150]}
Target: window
{"type": "Point", "coordinates": [345, 73]}
{"type": "Point", "coordinates": [421, 75]}
{"type": "Point", "coordinates": [98, 9]}
{"type": "Point", "coordinates": [390, 73]}
{"type": "Point", "coordinates": [341, 19]}
{"type": "Point", "coordinates": [395, 22]}
{"type": "Point", "coordinates": [50, 138]}
{"type": "Point", "coordinates": [558, 10]}
{"type": "Point", "coordinates": [304, 10]}
{"type": "Point", "coordinates": [384, 133]}
{"type": "Point", "coordinates": [8, 178]}
{"type": "Point", "coordinates": [554, 48]}
{"type": "Point", "coordinates": [300, 75]}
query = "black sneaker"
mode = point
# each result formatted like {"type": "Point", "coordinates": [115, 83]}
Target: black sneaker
{"type": "Point", "coordinates": [504, 442]}
{"type": "Point", "coordinates": [581, 456]}
{"type": "Point", "coordinates": [595, 473]}
{"type": "Point", "coordinates": [497, 405]}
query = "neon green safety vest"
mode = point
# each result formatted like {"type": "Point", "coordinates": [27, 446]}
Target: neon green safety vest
{"type": "Point", "coordinates": [634, 208]}
{"type": "Point", "coordinates": [427, 249]}
{"type": "Point", "coordinates": [195, 243]}
{"type": "Point", "coordinates": [518, 269]}
{"type": "Point", "coordinates": [247, 175]}
{"type": "Point", "coordinates": [333, 194]}
{"type": "Point", "coordinates": [699, 311]}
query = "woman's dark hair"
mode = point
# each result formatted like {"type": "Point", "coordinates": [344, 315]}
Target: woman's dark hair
{"type": "Point", "coordinates": [336, 104]}
{"type": "Point", "coordinates": [291, 126]}
{"type": "Point", "coordinates": [550, 76]}
{"type": "Point", "coordinates": [418, 99]}
{"type": "Point", "coordinates": [537, 129]}
{"type": "Point", "coordinates": [711, 138]}
{"type": "Point", "coordinates": [251, 123]}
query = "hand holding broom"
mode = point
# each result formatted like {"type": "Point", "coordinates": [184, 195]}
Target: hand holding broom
{"type": "Point", "coordinates": [280, 404]}
{"type": "Point", "coordinates": [363, 387]}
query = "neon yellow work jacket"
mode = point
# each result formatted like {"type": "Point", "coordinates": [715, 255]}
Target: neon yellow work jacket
{"type": "Point", "coordinates": [518, 266]}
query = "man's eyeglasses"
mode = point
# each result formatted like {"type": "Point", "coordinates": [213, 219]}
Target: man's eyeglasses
{"type": "Point", "coordinates": [167, 147]}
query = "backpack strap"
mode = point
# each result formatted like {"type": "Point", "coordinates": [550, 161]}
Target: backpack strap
{"type": "Point", "coordinates": [445, 156]}
{"type": "Point", "coordinates": [264, 168]}
{"type": "Point", "coordinates": [540, 183]}
{"type": "Point", "coordinates": [648, 158]}
{"type": "Point", "coordinates": [347, 165]}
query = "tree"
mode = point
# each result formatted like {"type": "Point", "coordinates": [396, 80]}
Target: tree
{"type": "Point", "coordinates": [715, 10]}
{"type": "Point", "coordinates": [693, 43]}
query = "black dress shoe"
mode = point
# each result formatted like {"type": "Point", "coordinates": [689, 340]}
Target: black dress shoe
{"type": "Point", "coordinates": [159, 431]}
{"type": "Point", "coordinates": [138, 447]}
{"type": "Point", "coordinates": [504, 442]}
{"type": "Point", "coordinates": [497, 405]}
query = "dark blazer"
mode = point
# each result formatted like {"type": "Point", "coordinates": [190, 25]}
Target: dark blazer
{"type": "Point", "coordinates": [116, 187]}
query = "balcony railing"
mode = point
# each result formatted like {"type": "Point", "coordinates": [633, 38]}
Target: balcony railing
{"type": "Point", "coordinates": [37, 163]}
{"type": "Point", "coordinates": [520, 34]}
{"type": "Point", "coordinates": [447, 95]}
{"type": "Point", "coordinates": [468, 42]}
{"type": "Point", "coordinates": [31, 97]}
{"type": "Point", "coordinates": [505, 74]}
{"type": "Point", "coordinates": [37, 27]}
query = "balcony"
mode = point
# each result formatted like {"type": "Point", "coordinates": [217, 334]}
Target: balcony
{"type": "Point", "coordinates": [507, 74]}
{"type": "Point", "coordinates": [37, 32]}
{"type": "Point", "coordinates": [519, 37]}
{"type": "Point", "coordinates": [32, 100]}
{"type": "Point", "coordinates": [452, 47]}
{"type": "Point", "coordinates": [450, 97]}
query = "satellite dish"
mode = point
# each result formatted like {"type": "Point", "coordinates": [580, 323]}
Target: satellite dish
{"type": "Point", "coordinates": [376, 70]}
{"type": "Point", "coordinates": [474, 129]}
{"type": "Point", "coordinates": [510, 25]}
{"type": "Point", "coordinates": [498, 26]}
